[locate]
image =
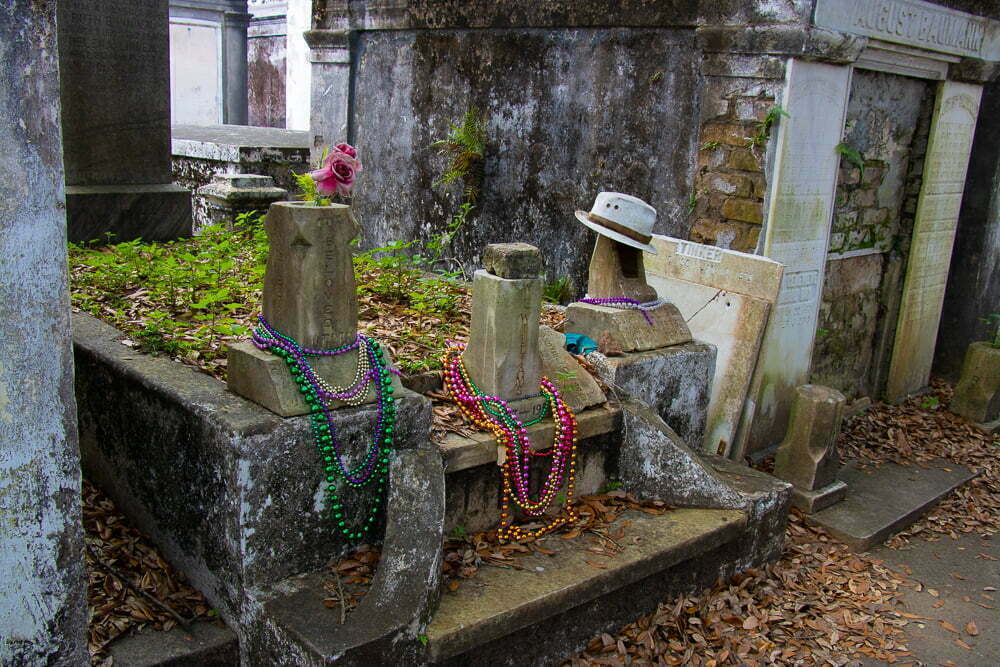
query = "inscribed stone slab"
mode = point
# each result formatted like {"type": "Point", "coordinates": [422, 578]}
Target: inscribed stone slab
{"type": "Point", "coordinates": [955, 111]}
{"type": "Point", "coordinates": [797, 234]}
{"type": "Point", "coordinates": [725, 297]}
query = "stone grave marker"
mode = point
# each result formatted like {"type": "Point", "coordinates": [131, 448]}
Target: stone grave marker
{"type": "Point", "coordinates": [797, 234]}
{"type": "Point", "coordinates": [948, 149]}
{"type": "Point", "coordinates": [115, 73]}
{"type": "Point", "coordinates": [808, 455]}
{"type": "Point", "coordinates": [309, 295]}
{"type": "Point", "coordinates": [725, 297]}
{"type": "Point", "coordinates": [977, 394]}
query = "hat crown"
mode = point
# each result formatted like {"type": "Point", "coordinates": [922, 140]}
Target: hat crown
{"type": "Point", "coordinates": [625, 210]}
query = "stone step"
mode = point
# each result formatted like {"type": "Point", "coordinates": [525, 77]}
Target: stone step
{"type": "Point", "coordinates": [207, 645]}
{"type": "Point", "coordinates": [549, 609]}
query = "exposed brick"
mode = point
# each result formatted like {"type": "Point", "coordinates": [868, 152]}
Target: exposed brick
{"type": "Point", "coordinates": [742, 160]}
{"type": "Point", "coordinates": [743, 209]}
{"type": "Point", "coordinates": [711, 158]}
{"type": "Point", "coordinates": [731, 134]}
{"type": "Point", "coordinates": [758, 184]}
{"type": "Point", "coordinates": [726, 234]}
{"type": "Point", "coordinates": [846, 219]}
{"type": "Point", "coordinates": [736, 185]}
{"type": "Point", "coordinates": [849, 176]}
{"type": "Point", "coordinates": [875, 216]}
{"type": "Point", "coordinates": [863, 198]}
{"type": "Point", "coordinates": [753, 109]}
{"type": "Point", "coordinates": [873, 175]}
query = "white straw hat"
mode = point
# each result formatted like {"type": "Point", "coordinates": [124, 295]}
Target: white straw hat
{"type": "Point", "coordinates": [622, 217]}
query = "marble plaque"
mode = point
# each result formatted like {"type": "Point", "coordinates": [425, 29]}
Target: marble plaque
{"type": "Point", "coordinates": [724, 296]}
{"type": "Point", "coordinates": [797, 234]}
{"type": "Point", "coordinates": [914, 23]}
{"type": "Point", "coordinates": [948, 148]}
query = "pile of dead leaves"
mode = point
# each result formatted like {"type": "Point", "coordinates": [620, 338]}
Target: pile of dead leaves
{"type": "Point", "coordinates": [351, 579]}
{"type": "Point", "coordinates": [921, 429]}
{"type": "Point", "coordinates": [129, 584]}
{"type": "Point", "coordinates": [820, 604]}
{"type": "Point", "coordinates": [465, 554]}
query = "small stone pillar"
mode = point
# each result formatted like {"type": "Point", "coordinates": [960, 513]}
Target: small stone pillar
{"type": "Point", "coordinates": [617, 270]}
{"type": "Point", "coordinates": [228, 195]}
{"type": "Point", "coordinates": [808, 455]}
{"type": "Point", "coordinates": [502, 356]}
{"type": "Point", "coordinates": [977, 394]}
{"type": "Point", "coordinates": [310, 296]}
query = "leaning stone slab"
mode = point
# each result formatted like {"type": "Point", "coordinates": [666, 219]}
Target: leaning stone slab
{"type": "Point", "coordinates": [675, 381]}
{"type": "Point", "coordinates": [629, 328]}
{"type": "Point", "coordinates": [808, 455]}
{"type": "Point", "coordinates": [886, 499]}
{"type": "Point", "coordinates": [578, 387]}
{"type": "Point", "coordinates": [977, 394]}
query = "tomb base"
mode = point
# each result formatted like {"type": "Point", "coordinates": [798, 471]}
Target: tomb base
{"type": "Point", "coordinates": [628, 327]}
{"type": "Point", "coordinates": [264, 378]}
{"type": "Point", "coordinates": [158, 212]}
{"type": "Point", "coordinates": [811, 502]}
{"type": "Point", "coordinates": [676, 382]}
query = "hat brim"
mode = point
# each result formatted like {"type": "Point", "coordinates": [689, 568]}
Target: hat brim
{"type": "Point", "coordinates": [611, 234]}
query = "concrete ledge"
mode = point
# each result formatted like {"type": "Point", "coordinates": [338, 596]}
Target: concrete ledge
{"type": "Point", "coordinates": [210, 646]}
{"type": "Point", "coordinates": [883, 501]}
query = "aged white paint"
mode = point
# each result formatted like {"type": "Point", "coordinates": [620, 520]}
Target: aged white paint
{"type": "Point", "coordinates": [797, 230]}
{"type": "Point", "coordinates": [955, 110]}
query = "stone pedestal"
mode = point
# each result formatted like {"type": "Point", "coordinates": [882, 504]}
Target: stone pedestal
{"type": "Point", "coordinates": [618, 270]}
{"type": "Point", "coordinates": [114, 62]}
{"type": "Point", "coordinates": [977, 395]}
{"type": "Point", "coordinates": [228, 195]}
{"type": "Point", "coordinates": [310, 296]}
{"type": "Point", "coordinates": [628, 327]}
{"type": "Point", "coordinates": [502, 356]}
{"type": "Point", "coordinates": [808, 455]}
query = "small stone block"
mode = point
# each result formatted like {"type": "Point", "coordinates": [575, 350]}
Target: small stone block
{"type": "Point", "coordinates": [811, 502]}
{"type": "Point", "coordinates": [807, 457]}
{"type": "Point", "coordinates": [512, 260]}
{"type": "Point", "coordinates": [264, 378]}
{"type": "Point", "coordinates": [977, 394]}
{"type": "Point", "coordinates": [578, 387]}
{"type": "Point", "coordinates": [628, 327]}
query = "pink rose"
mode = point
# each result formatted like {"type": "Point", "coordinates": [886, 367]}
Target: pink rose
{"type": "Point", "coordinates": [336, 176]}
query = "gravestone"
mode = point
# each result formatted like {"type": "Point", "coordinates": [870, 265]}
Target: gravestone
{"type": "Point", "coordinates": [43, 591]}
{"type": "Point", "coordinates": [949, 145]}
{"type": "Point", "coordinates": [725, 297]}
{"type": "Point", "coordinates": [977, 394]}
{"type": "Point", "coordinates": [797, 234]}
{"type": "Point", "coordinates": [502, 356]}
{"type": "Point", "coordinates": [309, 296]}
{"type": "Point", "coordinates": [114, 61]}
{"type": "Point", "coordinates": [229, 195]}
{"type": "Point", "coordinates": [808, 455]}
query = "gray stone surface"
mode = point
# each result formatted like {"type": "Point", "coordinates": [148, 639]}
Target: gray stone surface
{"type": "Point", "coordinates": [807, 457]}
{"type": "Point", "coordinates": [228, 195]}
{"type": "Point", "coordinates": [629, 328]}
{"type": "Point", "coordinates": [884, 500]}
{"type": "Point", "coordinates": [385, 626]}
{"type": "Point", "coordinates": [977, 394]}
{"type": "Point", "coordinates": [208, 646]}
{"type": "Point", "coordinates": [512, 260]}
{"type": "Point", "coordinates": [231, 493]}
{"type": "Point", "coordinates": [114, 63]}
{"type": "Point", "coordinates": [617, 270]}
{"type": "Point", "coordinates": [43, 606]}
{"type": "Point", "coordinates": [502, 356]}
{"type": "Point", "coordinates": [578, 387]}
{"type": "Point", "coordinates": [654, 463]}
{"type": "Point", "coordinates": [674, 381]}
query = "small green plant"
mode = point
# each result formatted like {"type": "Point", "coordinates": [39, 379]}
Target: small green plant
{"type": "Point", "coordinates": [423, 639]}
{"type": "Point", "coordinates": [852, 155]}
{"type": "Point", "coordinates": [929, 402]}
{"type": "Point", "coordinates": [558, 291]}
{"type": "Point", "coordinates": [992, 328]}
{"type": "Point", "coordinates": [458, 532]}
{"type": "Point", "coordinates": [821, 332]}
{"type": "Point", "coordinates": [762, 130]}
{"type": "Point", "coordinates": [709, 146]}
{"type": "Point", "coordinates": [612, 485]}
{"type": "Point", "coordinates": [657, 76]}
{"type": "Point", "coordinates": [560, 498]}
{"type": "Point", "coordinates": [465, 146]}
{"type": "Point", "coordinates": [309, 192]}
{"type": "Point", "coordinates": [566, 378]}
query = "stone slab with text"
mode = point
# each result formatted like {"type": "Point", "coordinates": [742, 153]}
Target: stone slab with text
{"type": "Point", "coordinates": [725, 297]}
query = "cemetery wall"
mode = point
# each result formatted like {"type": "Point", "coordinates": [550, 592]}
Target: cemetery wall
{"type": "Point", "coordinates": [43, 609]}
{"type": "Point", "coordinates": [973, 290]}
{"type": "Point", "coordinates": [888, 118]}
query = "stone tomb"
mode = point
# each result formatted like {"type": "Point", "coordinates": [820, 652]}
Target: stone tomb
{"type": "Point", "coordinates": [114, 70]}
{"type": "Point", "coordinates": [310, 296]}
{"type": "Point", "coordinates": [725, 297]}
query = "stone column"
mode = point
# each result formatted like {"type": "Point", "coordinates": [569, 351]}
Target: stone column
{"type": "Point", "coordinates": [808, 455]}
{"type": "Point", "coordinates": [310, 296]}
{"type": "Point", "coordinates": [502, 356]}
{"type": "Point", "coordinates": [43, 601]}
{"type": "Point", "coordinates": [330, 54]}
{"type": "Point", "coordinates": [228, 195]}
{"type": "Point", "coordinates": [115, 85]}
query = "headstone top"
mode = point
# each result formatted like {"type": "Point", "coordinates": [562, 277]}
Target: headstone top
{"type": "Point", "coordinates": [815, 393]}
{"type": "Point", "coordinates": [512, 260]}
